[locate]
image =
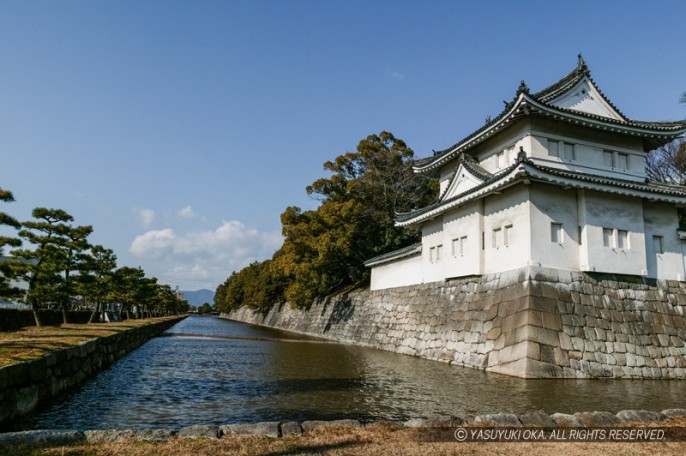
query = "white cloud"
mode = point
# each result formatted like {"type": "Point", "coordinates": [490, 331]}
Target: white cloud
{"type": "Point", "coordinates": [146, 216]}
{"type": "Point", "coordinates": [395, 75]}
{"type": "Point", "coordinates": [186, 213]}
{"type": "Point", "coordinates": [204, 256]}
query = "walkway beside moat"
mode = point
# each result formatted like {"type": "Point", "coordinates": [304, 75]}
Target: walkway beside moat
{"type": "Point", "coordinates": [630, 430]}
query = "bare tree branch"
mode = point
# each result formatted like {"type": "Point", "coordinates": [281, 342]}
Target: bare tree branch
{"type": "Point", "coordinates": [668, 163]}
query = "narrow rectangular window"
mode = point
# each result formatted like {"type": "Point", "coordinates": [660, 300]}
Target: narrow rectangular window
{"type": "Point", "coordinates": [622, 239]}
{"type": "Point", "coordinates": [556, 232]}
{"type": "Point", "coordinates": [432, 255]}
{"type": "Point", "coordinates": [580, 235]}
{"type": "Point", "coordinates": [483, 240]}
{"type": "Point", "coordinates": [463, 245]}
{"type": "Point", "coordinates": [508, 154]}
{"type": "Point", "coordinates": [500, 159]}
{"type": "Point", "coordinates": [622, 161]}
{"type": "Point", "coordinates": [569, 152]}
{"type": "Point", "coordinates": [439, 251]}
{"type": "Point", "coordinates": [507, 234]}
{"type": "Point", "coordinates": [455, 247]}
{"type": "Point", "coordinates": [553, 148]}
{"type": "Point", "coordinates": [658, 245]}
{"type": "Point", "coordinates": [608, 237]}
{"type": "Point", "coordinates": [609, 158]}
{"type": "Point", "coordinates": [497, 238]}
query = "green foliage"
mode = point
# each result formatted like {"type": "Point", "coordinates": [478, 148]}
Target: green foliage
{"type": "Point", "coordinates": [58, 266]}
{"type": "Point", "coordinates": [205, 308]}
{"type": "Point", "coordinates": [6, 273]}
{"type": "Point", "coordinates": [95, 282]}
{"type": "Point", "coordinates": [41, 267]}
{"type": "Point", "coordinates": [257, 286]}
{"type": "Point", "coordinates": [324, 249]}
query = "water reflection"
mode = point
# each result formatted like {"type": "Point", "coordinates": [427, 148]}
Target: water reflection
{"type": "Point", "coordinates": [179, 381]}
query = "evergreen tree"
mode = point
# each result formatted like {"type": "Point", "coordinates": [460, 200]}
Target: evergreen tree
{"type": "Point", "coordinates": [6, 274]}
{"type": "Point", "coordinates": [325, 249]}
{"type": "Point", "coordinates": [41, 267]}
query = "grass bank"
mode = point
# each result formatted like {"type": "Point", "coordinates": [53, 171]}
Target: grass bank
{"type": "Point", "coordinates": [32, 342]}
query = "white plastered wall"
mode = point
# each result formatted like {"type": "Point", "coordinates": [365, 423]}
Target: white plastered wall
{"type": "Point", "coordinates": [603, 210]}
{"type": "Point", "coordinates": [462, 236]}
{"type": "Point", "coordinates": [432, 241]}
{"type": "Point", "coordinates": [550, 204]}
{"type": "Point", "coordinates": [509, 209]}
{"type": "Point", "coordinates": [661, 219]}
{"type": "Point", "coordinates": [405, 271]}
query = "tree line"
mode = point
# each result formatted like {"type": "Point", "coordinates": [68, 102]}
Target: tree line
{"type": "Point", "coordinates": [324, 250]}
{"type": "Point", "coordinates": [52, 264]}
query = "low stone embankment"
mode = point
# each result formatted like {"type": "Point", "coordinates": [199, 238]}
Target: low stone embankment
{"type": "Point", "coordinates": [276, 429]}
{"type": "Point", "coordinates": [25, 385]}
{"type": "Point", "coordinates": [532, 322]}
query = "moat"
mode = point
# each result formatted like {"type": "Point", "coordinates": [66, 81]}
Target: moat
{"type": "Point", "coordinates": [207, 370]}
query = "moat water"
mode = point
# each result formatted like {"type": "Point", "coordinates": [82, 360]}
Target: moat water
{"type": "Point", "coordinates": [206, 370]}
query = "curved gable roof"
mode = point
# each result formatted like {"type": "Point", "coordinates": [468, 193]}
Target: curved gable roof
{"type": "Point", "coordinates": [551, 102]}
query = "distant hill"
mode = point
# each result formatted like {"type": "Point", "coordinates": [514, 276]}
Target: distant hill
{"type": "Point", "coordinates": [198, 297]}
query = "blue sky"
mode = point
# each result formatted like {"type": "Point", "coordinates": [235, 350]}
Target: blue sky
{"type": "Point", "coordinates": [182, 129]}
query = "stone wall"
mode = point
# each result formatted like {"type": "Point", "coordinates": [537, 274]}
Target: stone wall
{"type": "Point", "coordinates": [24, 386]}
{"type": "Point", "coordinates": [531, 322]}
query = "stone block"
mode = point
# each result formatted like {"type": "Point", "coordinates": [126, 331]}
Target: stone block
{"type": "Point", "coordinates": [127, 435]}
{"type": "Point", "coordinates": [199, 430]}
{"type": "Point", "coordinates": [518, 351]}
{"type": "Point", "coordinates": [310, 426]}
{"type": "Point", "coordinates": [640, 416]}
{"type": "Point", "coordinates": [515, 368]}
{"type": "Point", "coordinates": [566, 421]}
{"type": "Point", "coordinates": [266, 429]}
{"type": "Point", "coordinates": [551, 320]}
{"type": "Point", "coordinates": [674, 413]}
{"type": "Point", "coordinates": [561, 357]}
{"type": "Point", "coordinates": [577, 343]}
{"type": "Point", "coordinates": [539, 369]}
{"type": "Point", "coordinates": [41, 438]}
{"type": "Point", "coordinates": [516, 336]}
{"type": "Point", "coordinates": [499, 419]}
{"type": "Point", "coordinates": [290, 428]}
{"type": "Point", "coordinates": [37, 370]}
{"type": "Point", "coordinates": [547, 355]}
{"type": "Point", "coordinates": [597, 419]}
{"type": "Point", "coordinates": [27, 399]}
{"type": "Point", "coordinates": [543, 336]}
{"type": "Point", "coordinates": [537, 419]}
{"type": "Point", "coordinates": [512, 322]}
{"type": "Point", "coordinates": [493, 333]}
{"type": "Point", "coordinates": [15, 374]}
{"type": "Point", "coordinates": [437, 421]}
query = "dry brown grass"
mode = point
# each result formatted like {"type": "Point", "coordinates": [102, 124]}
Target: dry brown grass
{"type": "Point", "coordinates": [33, 342]}
{"type": "Point", "coordinates": [377, 440]}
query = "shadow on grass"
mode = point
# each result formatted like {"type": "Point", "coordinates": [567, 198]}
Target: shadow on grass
{"type": "Point", "coordinates": [313, 448]}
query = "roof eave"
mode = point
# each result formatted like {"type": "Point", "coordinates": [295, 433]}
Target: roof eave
{"type": "Point", "coordinates": [526, 170]}
{"type": "Point", "coordinates": [475, 138]}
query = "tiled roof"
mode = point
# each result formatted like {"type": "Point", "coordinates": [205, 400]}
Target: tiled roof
{"type": "Point", "coordinates": [475, 168]}
{"type": "Point", "coordinates": [530, 170]}
{"type": "Point", "coordinates": [560, 87]}
{"type": "Point", "coordinates": [404, 216]}
{"type": "Point", "coordinates": [395, 255]}
{"type": "Point", "coordinates": [543, 97]}
{"type": "Point", "coordinates": [470, 164]}
{"type": "Point", "coordinates": [646, 186]}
